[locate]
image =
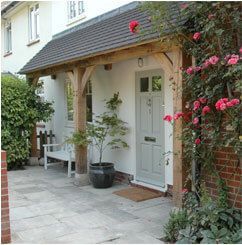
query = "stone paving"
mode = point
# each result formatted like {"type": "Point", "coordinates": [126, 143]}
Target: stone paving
{"type": "Point", "coordinates": [45, 207]}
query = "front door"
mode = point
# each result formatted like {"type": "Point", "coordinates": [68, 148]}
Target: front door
{"type": "Point", "coordinates": [150, 129]}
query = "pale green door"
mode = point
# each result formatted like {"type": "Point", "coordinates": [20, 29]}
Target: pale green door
{"type": "Point", "coordinates": [150, 166]}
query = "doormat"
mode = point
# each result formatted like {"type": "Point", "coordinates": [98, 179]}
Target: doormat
{"type": "Point", "coordinates": [137, 194]}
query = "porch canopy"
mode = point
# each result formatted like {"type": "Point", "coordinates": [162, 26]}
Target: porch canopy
{"type": "Point", "coordinates": [104, 40]}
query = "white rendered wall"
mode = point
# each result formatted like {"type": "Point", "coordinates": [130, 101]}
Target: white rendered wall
{"type": "Point", "coordinates": [122, 79]}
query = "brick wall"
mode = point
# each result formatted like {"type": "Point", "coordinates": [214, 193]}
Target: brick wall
{"type": "Point", "coordinates": [5, 223]}
{"type": "Point", "coordinates": [229, 167]}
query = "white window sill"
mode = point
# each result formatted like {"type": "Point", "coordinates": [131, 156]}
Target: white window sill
{"type": "Point", "coordinates": [76, 19]}
{"type": "Point", "coordinates": [32, 42]}
{"type": "Point", "coordinates": [7, 53]}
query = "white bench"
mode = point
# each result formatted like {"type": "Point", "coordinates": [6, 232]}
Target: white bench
{"type": "Point", "coordinates": [64, 152]}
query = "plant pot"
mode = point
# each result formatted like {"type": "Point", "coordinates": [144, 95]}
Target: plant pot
{"type": "Point", "coordinates": [102, 174]}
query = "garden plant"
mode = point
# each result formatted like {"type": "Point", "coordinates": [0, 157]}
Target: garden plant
{"type": "Point", "coordinates": [21, 108]}
{"type": "Point", "coordinates": [210, 32]}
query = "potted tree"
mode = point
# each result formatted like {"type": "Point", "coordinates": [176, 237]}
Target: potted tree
{"type": "Point", "coordinates": [106, 131]}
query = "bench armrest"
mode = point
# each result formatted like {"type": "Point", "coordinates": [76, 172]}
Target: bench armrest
{"type": "Point", "coordinates": [47, 145]}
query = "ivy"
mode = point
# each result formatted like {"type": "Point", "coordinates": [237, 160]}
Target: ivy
{"type": "Point", "coordinates": [21, 109]}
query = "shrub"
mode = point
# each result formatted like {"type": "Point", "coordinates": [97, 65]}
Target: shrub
{"type": "Point", "coordinates": [21, 109]}
{"type": "Point", "coordinates": [178, 221]}
{"type": "Point", "coordinates": [204, 222]}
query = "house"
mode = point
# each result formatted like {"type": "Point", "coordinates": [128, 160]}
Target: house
{"type": "Point", "coordinates": [100, 54]}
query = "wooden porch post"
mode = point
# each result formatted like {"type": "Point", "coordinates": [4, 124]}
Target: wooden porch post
{"type": "Point", "coordinates": [179, 169]}
{"type": "Point", "coordinates": [33, 136]}
{"type": "Point", "coordinates": [79, 78]}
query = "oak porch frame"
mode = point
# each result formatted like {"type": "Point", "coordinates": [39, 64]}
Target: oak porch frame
{"type": "Point", "coordinates": [79, 72]}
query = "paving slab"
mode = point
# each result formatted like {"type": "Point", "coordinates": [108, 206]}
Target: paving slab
{"type": "Point", "coordinates": [45, 207]}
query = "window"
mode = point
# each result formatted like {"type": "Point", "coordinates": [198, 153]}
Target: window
{"type": "Point", "coordinates": [8, 38]}
{"type": "Point", "coordinates": [40, 90]}
{"type": "Point", "coordinates": [69, 101]}
{"type": "Point", "coordinates": [75, 9]}
{"type": "Point", "coordinates": [34, 23]}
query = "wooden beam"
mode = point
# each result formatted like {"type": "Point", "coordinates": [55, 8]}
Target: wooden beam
{"type": "Point", "coordinates": [79, 106]}
{"type": "Point", "coordinates": [106, 58]}
{"type": "Point", "coordinates": [165, 61]}
{"type": "Point", "coordinates": [179, 170]}
{"type": "Point", "coordinates": [86, 76]}
{"type": "Point", "coordinates": [70, 75]}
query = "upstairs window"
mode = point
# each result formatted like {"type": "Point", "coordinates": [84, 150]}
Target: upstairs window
{"type": "Point", "coordinates": [8, 38]}
{"type": "Point", "coordinates": [34, 23]}
{"type": "Point", "coordinates": [75, 9]}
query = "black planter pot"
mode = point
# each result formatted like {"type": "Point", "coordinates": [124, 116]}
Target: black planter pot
{"type": "Point", "coordinates": [102, 174]}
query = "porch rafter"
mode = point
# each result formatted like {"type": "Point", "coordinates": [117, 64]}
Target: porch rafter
{"type": "Point", "coordinates": [110, 57]}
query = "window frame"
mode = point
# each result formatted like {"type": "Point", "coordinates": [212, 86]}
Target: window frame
{"type": "Point", "coordinates": [70, 123]}
{"type": "Point", "coordinates": [74, 6]}
{"type": "Point", "coordinates": [8, 37]}
{"type": "Point", "coordinates": [34, 23]}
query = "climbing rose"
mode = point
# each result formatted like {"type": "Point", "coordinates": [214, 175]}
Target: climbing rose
{"type": "Point", "coordinates": [184, 191]}
{"type": "Point", "coordinates": [178, 115]}
{"type": "Point", "coordinates": [213, 60]}
{"type": "Point", "coordinates": [189, 70]}
{"type": "Point", "coordinates": [203, 100]}
{"type": "Point", "coordinates": [195, 121]}
{"type": "Point", "coordinates": [240, 50]}
{"type": "Point", "coordinates": [133, 26]}
{"type": "Point", "coordinates": [206, 109]}
{"type": "Point", "coordinates": [233, 59]}
{"type": "Point", "coordinates": [206, 64]}
{"type": "Point", "coordinates": [221, 104]}
{"type": "Point", "coordinates": [197, 141]}
{"type": "Point", "coordinates": [196, 36]}
{"type": "Point", "coordinates": [183, 5]}
{"type": "Point", "coordinates": [167, 118]}
{"type": "Point", "coordinates": [229, 104]}
{"type": "Point", "coordinates": [198, 68]}
{"type": "Point", "coordinates": [211, 16]}
{"type": "Point", "coordinates": [235, 101]}
{"type": "Point", "coordinates": [196, 105]}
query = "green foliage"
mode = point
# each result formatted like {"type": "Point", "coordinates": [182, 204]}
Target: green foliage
{"type": "Point", "coordinates": [177, 221]}
{"type": "Point", "coordinates": [79, 138]}
{"type": "Point", "coordinates": [203, 222]}
{"type": "Point", "coordinates": [21, 109]}
{"type": "Point", "coordinates": [107, 129]}
{"type": "Point", "coordinates": [210, 223]}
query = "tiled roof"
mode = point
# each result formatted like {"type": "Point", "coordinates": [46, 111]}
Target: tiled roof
{"type": "Point", "coordinates": [7, 5]}
{"type": "Point", "coordinates": [85, 40]}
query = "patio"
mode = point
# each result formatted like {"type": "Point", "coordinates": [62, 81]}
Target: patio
{"type": "Point", "coordinates": [45, 207]}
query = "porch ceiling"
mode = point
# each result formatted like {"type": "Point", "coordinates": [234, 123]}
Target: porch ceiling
{"type": "Point", "coordinates": [103, 37]}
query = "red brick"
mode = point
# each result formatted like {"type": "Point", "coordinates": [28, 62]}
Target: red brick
{"type": "Point", "coordinates": [3, 155]}
{"type": "Point", "coordinates": [4, 165]}
{"type": "Point", "coordinates": [4, 191]}
{"type": "Point", "coordinates": [3, 171]}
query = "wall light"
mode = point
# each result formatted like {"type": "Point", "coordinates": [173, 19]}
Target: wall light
{"type": "Point", "coordinates": [140, 62]}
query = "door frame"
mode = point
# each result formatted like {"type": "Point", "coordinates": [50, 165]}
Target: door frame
{"type": "Point", "coordinates": [137, 74]}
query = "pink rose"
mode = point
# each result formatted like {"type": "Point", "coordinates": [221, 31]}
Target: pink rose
{"type": "Point", "coordinates": [213, 60]}
{"type": "Point", "coordinates": [167, 118]}
{"type": "Point", "coordinates": [229, 104]}
{"type": "Point", "coordinates": [225, 100]}
{"type": "Point", "coordinates": [196, 105]}
{"type": "Point", "coordinates": [235, 102]}
{"type": "Point", "coordinates": [206, 109]}
{"type": "Point", "coordinates": [211, 16]}
{"type": "Point", "coordinates": [233, 61]}
{"type": "Point", "coordinates": [240, 50]}
{"type": "Point", "coordinates": [197, 141]}
{"type": "Point", "coordinates": [178, 115]}
{"type": "Point", "coordinates": [221, 104]}
{"type": "Point", "coordinates": [195, 121]}
{"type": "Point", "coordinates": [196, 36]}
{"type": "Point", "coordinates": [227, 57]}
{"type": "Point", "coordinates": [133, 26]}
{"type": "Point", "coordinates": [206, 64]}
{"type": "Point", "coordinates": [198, 68]}
{"type": "Point", "coordinates": [184, 191]}
{"type": "Point", "coordinates": [189, 70]}
{"type": "Point", "coordinates": [203, 100]}
{"type": "Point", "coordinates": [183, 5]}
